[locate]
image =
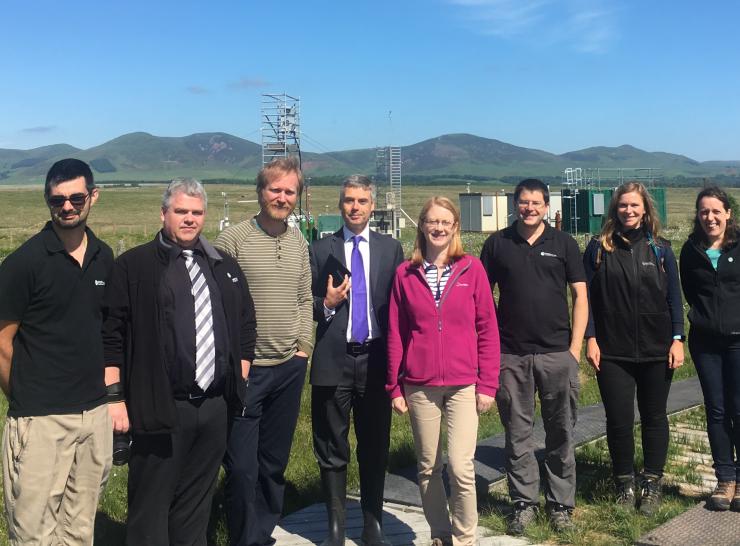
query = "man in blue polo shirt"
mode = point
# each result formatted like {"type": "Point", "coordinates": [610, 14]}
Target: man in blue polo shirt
{"type": "Point", "coordinates": [533, 266]}
{"type": "Point", "coordinates": [58, 438]}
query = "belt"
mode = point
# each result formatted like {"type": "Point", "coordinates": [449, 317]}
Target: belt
{"type": "Point", "coordinates": [355, 349]}
{"type": "Point", "coordinates": [196, 397]}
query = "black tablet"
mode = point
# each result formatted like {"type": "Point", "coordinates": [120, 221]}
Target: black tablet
{"type": "Point", "coordinates": [336, 269]}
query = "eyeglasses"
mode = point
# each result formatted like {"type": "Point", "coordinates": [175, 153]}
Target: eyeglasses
{"type": "Point", "coordinates": [76, 200]}
{"type": "Point", "coordinates": [442, 223]}
{"type": "Point", "coordinates": [535, 204]}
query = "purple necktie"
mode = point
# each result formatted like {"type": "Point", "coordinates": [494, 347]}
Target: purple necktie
{"type": "Point", "coordinates": [360, 329]}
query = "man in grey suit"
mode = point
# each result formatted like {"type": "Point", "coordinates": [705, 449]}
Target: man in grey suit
{"type": "Point", "coordinates": [349, 362]}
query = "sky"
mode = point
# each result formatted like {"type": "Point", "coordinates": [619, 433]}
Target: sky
{"type": "Point", "coordinates": [556, 75]}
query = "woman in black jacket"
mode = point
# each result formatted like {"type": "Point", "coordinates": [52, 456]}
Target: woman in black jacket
{"type": "Point", "coordinates": [635, 335]}
{"type": "Point", "coordinates": [710, 275]}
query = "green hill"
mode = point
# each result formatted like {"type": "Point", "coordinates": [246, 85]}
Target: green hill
{"type": "Point", "coordinates": [145, 157]}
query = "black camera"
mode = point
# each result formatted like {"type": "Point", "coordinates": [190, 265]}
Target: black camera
{"type": "Point", "coordinates": [121, 448]}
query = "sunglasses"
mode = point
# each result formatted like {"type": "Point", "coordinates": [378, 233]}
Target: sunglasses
{"type": "Point", "coordinates": [76, 200]}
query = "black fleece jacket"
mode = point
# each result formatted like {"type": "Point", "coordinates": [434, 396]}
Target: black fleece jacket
{"type": "Point", "coordinates": [133, 328]}
{"type": "Point", "coordinates": [714, 296]}
{"type": "Point", "coordinates": [635, 298]}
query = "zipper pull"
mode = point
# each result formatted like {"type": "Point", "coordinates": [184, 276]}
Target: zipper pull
{"type": "Point", "coordinates": [439, 324]}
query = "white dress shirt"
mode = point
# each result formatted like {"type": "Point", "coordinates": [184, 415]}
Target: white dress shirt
{"type": "Point", "coordinates": [364, 247]}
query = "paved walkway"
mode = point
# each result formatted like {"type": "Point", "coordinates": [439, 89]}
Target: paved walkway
{"type": "Point", "coordinates": [403, 521]}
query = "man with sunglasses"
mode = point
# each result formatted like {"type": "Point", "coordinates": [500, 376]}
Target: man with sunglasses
{"type": "Point", "coordinates": [57, 441]}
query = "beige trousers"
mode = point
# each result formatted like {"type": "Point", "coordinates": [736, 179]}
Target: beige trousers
{"type": "Point", "coordinates": [54, 469]}
{"type": "Point", "coordinates": [427, 406]}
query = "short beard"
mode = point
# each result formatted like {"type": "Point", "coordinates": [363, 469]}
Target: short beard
{"type": "Point", "coordinates": [270, 213]}
{"type": "Point", "coordinates": [81, 221]}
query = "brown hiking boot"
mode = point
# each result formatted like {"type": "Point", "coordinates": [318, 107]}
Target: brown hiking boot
{"type": "Point", "coordinates": [722, 496]}
{"type": "Point", "coordinates": [735, 506]}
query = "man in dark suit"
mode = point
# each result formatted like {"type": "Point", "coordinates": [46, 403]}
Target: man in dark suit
{"type": "Point", "coordinates": [179, 335]}
{"type": "Point", "coordinates": [349, 361]}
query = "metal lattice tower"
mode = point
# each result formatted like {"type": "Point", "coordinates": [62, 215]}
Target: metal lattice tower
{"type": "Point", "coordinates": [394, 175]}
{"type": "Point", "coordinates": [381, 174]}
{"type": "Point", "coordinates": [648, 176]}
{"type": "Point", "coordinates": [281, 126]}
{"type": "Point", "coordinates": [573, 181]}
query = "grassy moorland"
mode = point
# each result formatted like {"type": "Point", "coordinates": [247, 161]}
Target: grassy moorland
{"type": "Point", "coordinates": [125, 217]}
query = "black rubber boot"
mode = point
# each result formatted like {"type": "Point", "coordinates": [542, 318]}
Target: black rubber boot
{"type": "Point", "coordinates": [334, 484]}
{"type": "Point", "coordinates": [372, 531]}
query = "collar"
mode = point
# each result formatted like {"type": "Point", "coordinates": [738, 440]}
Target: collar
{"type": "Point", "coordinates": [365, 233]}
{"type": "Point", "coordinates": [53, 243]}
{"type": "Point", "coordinates": [548, 233]}
{"type": "Point", "coordinates": [427, 266]}
{"type": "Point", "coordinates": [257, 225]}
{"type": "Point", "coordinates": [173, 250]}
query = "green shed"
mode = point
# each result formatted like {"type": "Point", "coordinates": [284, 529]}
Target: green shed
{"type": "Point", "coordinates": [585, 209]}
{"type": "Point", "coordinates": [329, 223]}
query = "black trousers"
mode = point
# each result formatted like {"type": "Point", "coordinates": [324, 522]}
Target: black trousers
{"type": "Point", "coordinates": [172, 476]}
{"type": "Point", "coordinates": [362, 393]}
{"type": "Point", "coordinates": [618, 382]}
{"type": "Point", "coordinates": [258, 450]}
{"type": "Point", "coordinates": [717, 360]}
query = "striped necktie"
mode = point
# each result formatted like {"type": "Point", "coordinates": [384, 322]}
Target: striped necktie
{"type": "Point", "coordinates": [205, 349]}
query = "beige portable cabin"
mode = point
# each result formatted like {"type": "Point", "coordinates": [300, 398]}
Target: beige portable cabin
{"type": "Point", "coordinates": [484, 211]}
{"type": "Point", "coordinates": [492, 211]}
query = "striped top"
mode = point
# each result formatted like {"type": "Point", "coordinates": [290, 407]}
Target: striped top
{"type": "Point", "coordinates": [436, 282]}
{"type": "Point", "coordinates": [279, 278]}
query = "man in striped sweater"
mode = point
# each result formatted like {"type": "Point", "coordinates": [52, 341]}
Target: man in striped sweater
{"type": "Point", "coordinates": [274, 258]}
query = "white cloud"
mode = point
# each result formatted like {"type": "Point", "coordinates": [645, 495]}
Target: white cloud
{"type": "Point", "coordinates": [587, 26]}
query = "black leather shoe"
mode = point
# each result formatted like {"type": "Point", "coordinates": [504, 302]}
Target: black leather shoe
{"type": "Point", "coordinates": [334, 484]}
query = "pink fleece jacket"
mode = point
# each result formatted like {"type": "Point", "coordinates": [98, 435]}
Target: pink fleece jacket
{"type": "Point", "coordinates": [456, 343]}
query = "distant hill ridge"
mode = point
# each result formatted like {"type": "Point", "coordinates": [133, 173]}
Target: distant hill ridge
{"type": "Point", "coordinates": [145, 157]}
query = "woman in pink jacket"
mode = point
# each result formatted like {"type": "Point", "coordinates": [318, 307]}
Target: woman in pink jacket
{"type": "Point", "coordinates": [443, 362]}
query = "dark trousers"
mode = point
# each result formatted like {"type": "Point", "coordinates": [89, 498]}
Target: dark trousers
{"type": "Point", "coordinates": [362, 394]}
{"type": "Point", "coordinates": [172, 476]}
{"type": "Point", "coordinates": [555, 377]}
{"type": "Point", "coordinates": [618, 382]}
{"type": "Point", "coordinates": [258, 450]}
{"type": "Point", "coordinates": [717, 360]}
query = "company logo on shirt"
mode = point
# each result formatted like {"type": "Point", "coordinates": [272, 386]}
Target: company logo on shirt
{"type": "Point", "coordinates": [548, 254]}
{"type": "Point", "coordinates": [233, 279]}
{"type": "Point", "coordinates": [651, 264]}
{"type": "Point", "coordinates": [99, 283]}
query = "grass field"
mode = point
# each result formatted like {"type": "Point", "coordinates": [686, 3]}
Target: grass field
{"type": "Point", "coordinates": [125, 217]}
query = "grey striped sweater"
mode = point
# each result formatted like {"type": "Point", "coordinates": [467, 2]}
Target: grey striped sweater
{"type": "Point", "coordinates": [279, 276]}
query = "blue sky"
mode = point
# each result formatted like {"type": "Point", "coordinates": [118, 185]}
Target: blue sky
{"type": "Point", "coordinates": [557, 75]}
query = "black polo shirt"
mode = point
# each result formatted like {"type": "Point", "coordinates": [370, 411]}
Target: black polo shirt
{"type": "Point", "coordinates": [57, 365]}
{"type": "Point", "coordinates": [532, 309]}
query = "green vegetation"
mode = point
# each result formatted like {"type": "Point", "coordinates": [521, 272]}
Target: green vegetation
{"type": "Point", "coordinates": [141, 156]}
{"type": "Point", "coordinates": [598, 520]}
{"type": "Point", "coordinates": [128, 216]}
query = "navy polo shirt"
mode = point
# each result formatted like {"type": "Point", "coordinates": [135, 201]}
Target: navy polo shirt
{"type": "Point", "coordinates": [57, 365]}
{"type": "Point", "coordinates": [532, 310]}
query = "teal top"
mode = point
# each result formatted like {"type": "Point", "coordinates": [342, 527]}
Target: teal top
{"type": "Point", "coordinates": [713, 254]}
